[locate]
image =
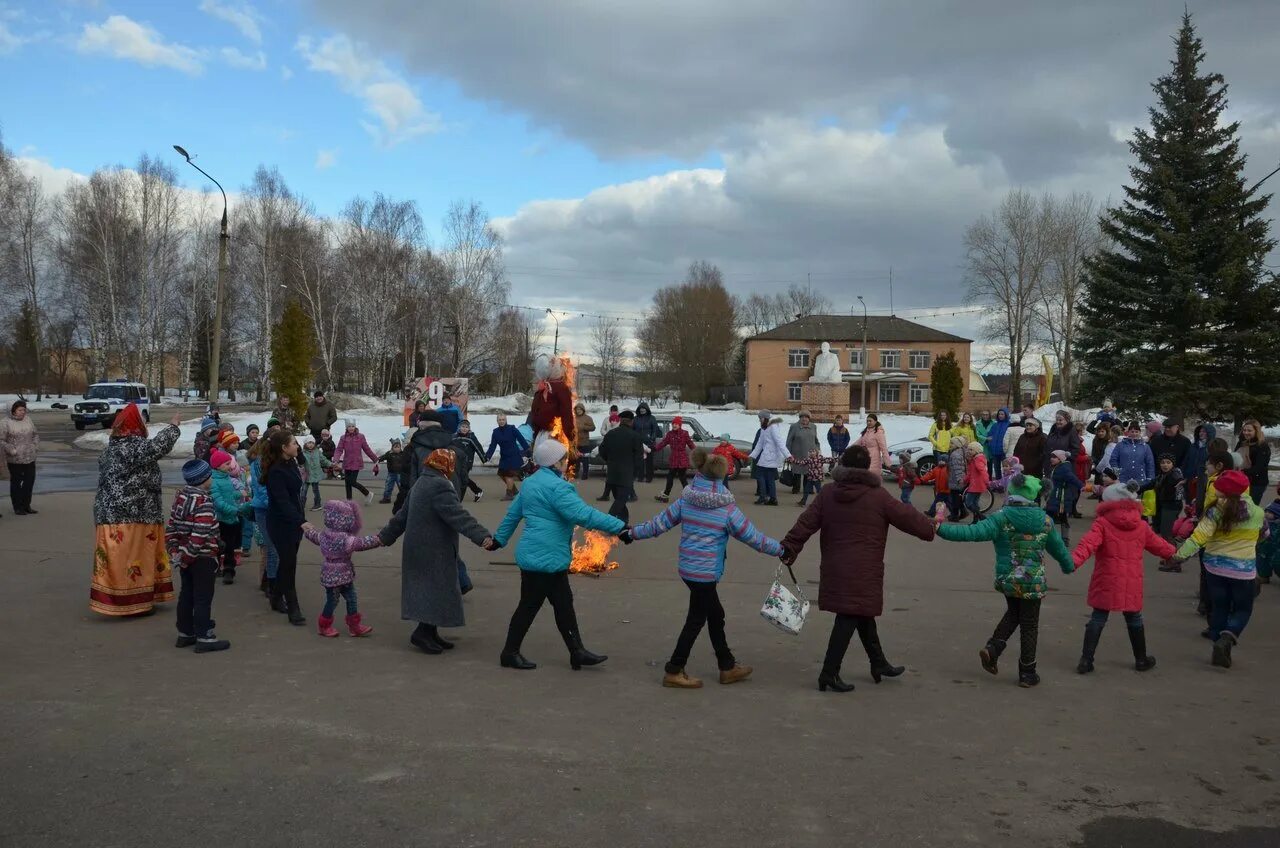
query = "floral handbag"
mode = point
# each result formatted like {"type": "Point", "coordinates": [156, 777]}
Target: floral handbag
{"type": "Point", "coordinates": [782, 608]}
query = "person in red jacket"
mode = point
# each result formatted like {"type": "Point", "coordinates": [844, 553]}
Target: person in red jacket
{"type": "Point", "coordinates": [941, 491]}
{"type": "Point", "coordinates": [680, 442]}
{"type": "Point", "coordinates": [1116, 540]}
{"type": "Point", "coordinates": [731, 454]}
{"type": "Point", "coordinates": [977, 478]}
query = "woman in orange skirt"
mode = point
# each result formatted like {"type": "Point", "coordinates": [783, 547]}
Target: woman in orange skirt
{"type": "Point", "coordinates": [130, 565]}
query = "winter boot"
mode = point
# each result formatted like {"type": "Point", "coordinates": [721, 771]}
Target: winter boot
{"type": "Point", "coordinates": [324, 626]}
{"type": "Point", "coordinates": [578, 655]}
{"type": "Point", "coordinates": [833, 682]}
{"type": "Point", "coordinates": [515, 659]}
{"type": "Point", "coordinates": [206, 646]}
{"type": "Point", "coordinates": [663, 498]}
{"type": "Point", "coordinates": [1222, 649]}
{"type": "Point", "coordinates": [880, 667]}
{"type": "Point", "coordinates": [355, 628]}
{"type": "Point", "coordinates": [385, 500]}
{"type": "Point", "coordinates": [680, 680]}
{"type": "Point", "coordinates": [1027, 676]}
{"type": "Point", "coordinates": [293, 610]}
{"type": "Point", "coordinates": [422, 640]}
{"type": "Point", "coordinates": [1142, 661]}
{"type": "Point", "coordinates": [1092, 633]}
{"type": "Point", "coordinates": [733, 675]}
{"type": "Point", "coordinates": [276, 598]}
{"type": "Point", "coordinates": [990, 655]}
{"type": "Point", "coordinates": [228, 576]}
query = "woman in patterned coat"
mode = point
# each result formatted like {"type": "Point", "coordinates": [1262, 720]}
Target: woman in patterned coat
{"type": "Point", "coordinates": [130, 565]}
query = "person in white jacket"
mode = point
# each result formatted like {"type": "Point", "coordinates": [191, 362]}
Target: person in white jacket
{"type": "Point", "coordinates": [770, 454]}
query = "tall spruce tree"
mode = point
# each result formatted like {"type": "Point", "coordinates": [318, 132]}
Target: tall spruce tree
{"type": "Point", "coordinates": [1177, 316]}
{"type": "Point", "coordinates": [292, 345]}
{"type": "Point", "coordinates": [946, 384]}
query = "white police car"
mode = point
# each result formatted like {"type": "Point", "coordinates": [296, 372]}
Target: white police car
{"type": "Point", "coordinates": [103, 401]}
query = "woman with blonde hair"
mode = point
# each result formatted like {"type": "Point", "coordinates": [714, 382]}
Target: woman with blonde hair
{"type": "Point", "coordinates": [1255, 456]}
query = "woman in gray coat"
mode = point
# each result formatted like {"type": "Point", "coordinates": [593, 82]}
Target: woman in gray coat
{"type": "Point", "coordinates": [431, 522]}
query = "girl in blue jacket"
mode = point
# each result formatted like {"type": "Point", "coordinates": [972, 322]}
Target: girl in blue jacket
{"type": "Point", "coordinates": [551, 509]}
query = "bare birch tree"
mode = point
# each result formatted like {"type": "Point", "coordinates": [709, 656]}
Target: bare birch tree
{"type": "Point", "coordinates": [1074, 237]}
{"type": "Point", "coordinates": [472, 251]}
{"type": "Point", "coordinates": [24, 253]}
{"type": "Point", "coordinates": [609, 349]}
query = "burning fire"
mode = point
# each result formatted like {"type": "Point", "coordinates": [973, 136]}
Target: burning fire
{"type": "Point", "coordinates": [557, 432]}
{"type": "Point", "coordinates": [591, 555]}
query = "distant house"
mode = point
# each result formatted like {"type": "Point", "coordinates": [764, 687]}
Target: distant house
{"type": "Point", "coordinates": [591, 383]}
{"type": "Point", "coordinates": [900, 354]}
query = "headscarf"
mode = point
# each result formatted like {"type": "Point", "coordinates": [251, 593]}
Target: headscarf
{"type": "Point", "coordinates": [129, 423]}
{"type": "Point", "coordinates": [441, 460]}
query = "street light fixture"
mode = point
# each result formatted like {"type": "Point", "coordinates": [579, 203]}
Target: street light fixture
{"type": "Point", "coordinates": [862, 410]}
{"type": "Point", "coordinates": [215, 352]}
{"type": "Point", "coordinates": [555, 347]}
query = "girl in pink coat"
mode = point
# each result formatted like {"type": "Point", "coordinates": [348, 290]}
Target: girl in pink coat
{"type": "Point", "coordinates": [1117, 539]}
{"type": "Point", "coordinates": [874, 441]}
{"type": "Point", "coordinates": [349, 456]}
{"type": "Point", "coordinates": [977, 478]}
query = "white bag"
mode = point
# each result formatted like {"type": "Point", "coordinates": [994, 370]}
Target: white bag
{"type": "Point", "coordinates": [783, 609]}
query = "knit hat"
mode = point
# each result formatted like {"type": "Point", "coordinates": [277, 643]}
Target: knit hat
{"type": "Point", "coordinates": [195, 471]}
{"type": "Point", "coordinates": [549, 453]}
{"type": "Point", "coordinates": [1121, 491]}
{"type": "Point", "coordinates": [677, 422]}
{"type": "Point", "coordinates": [1169, 422]}
{"type": "Point", "coordinates": [349, 422]}
{"type": "Point", "coordinates": [228, 440]}
{"type": "Point", "coordinates": [1062, 455]}
{"type": "Point", "coordinates": [1022, 486]}
{"type": "Point", "coordinates": [273, 422]}
{"type": "Point", "coordinates": [1166, 455]}
{"type": "Point", "coordinates": [724, 437]}
{"type": "Point", "coordinates": [464, 422]}
{"type": "Point", "coordinates": [958, 441]}
{"type": "Point", "coordinates": [765, 414]}
{"type": "Point", "coordinates": [973, 448]}
{"type": "Point", "coordinates": [1231, 483]}
{"type": "Point", "coordinates": [219, 458]}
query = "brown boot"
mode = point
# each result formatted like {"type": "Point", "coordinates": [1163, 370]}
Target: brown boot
{"type": "Point", "coordinates": [733, 675]}
{"type": "Point", "coordinates": [680, 680]}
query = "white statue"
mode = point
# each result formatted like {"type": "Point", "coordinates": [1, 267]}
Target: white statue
{"type": "Point", "coordinates": [826, 367]}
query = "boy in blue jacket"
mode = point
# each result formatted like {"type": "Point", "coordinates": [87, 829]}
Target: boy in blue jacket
{"type": "Point", "coordinates": [708, 515]}
{"type": "Point", "coordinates": [551, 509]}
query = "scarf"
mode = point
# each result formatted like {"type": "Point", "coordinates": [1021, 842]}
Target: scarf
{"type": "Point", "coordinates": [129, 423]}
{"type": "Point", "coordinates": [441, 460]}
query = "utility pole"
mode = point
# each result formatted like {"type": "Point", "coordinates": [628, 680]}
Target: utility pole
{"type": "Point", "coordinates": [215, 352]}
{"type": "Point", "coordinates": [555, 347]}
{"type": "Point", "coordinates": [862, 409]}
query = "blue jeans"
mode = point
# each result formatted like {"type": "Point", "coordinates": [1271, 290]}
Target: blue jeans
{"type": "Point", "coordinates": [315, 490]}
{"type": "Point", "coordinates": [273, 559]}
{"type": "Point", "coordinates": [1230, 604]}
{"type": "Point", "coordinates": [331, 595]}
{"type": "Point", "coordinates": [393, 480]}
{"type": "Point", "coordinates": [246, 540]}
{"type": "Point", "coordinates": [811, 487]}
{"type": "Point", "coordinates": [769, 483]}
{"type": "Point", "coordinates": [905, 495]}
{"type": "Point", "coordinates": [464, 579]}
{"type": "Point", "coordinates": [971, 502]}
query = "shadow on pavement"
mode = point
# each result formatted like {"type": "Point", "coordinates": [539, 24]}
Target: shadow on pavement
{"type": "Point", "coordinates": [1115, 831]}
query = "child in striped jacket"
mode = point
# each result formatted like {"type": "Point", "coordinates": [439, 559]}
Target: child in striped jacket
{"type": "Point", "coordinates": [708, 516]}
{"type": "Point", "coordinates": [192, 541]}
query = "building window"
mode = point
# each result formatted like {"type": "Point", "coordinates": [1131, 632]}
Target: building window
{"type": "Point", "coordinates": [890, 393]}
{"type": "Point", "coordinates": [890, 359]}
{"type": "Point", "coordinates": [798, 357]}
{"type": "Point", "coordinates": [793, 392]}
{"type": "Point", "coordinates": [919, 393]}
{"type": "Point", "coordinates": [919, 359]}
{"type": "Point", "coordinates": [855, 358]}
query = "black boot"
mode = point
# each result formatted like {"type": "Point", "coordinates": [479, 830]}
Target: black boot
{"type": "Point", "coordinates": [1222, 649]}
{"type": "Point", "coordinates": [1027, 676]}
{"type": "Point", "coordinates": [578, 655]}
{"type": "Point", "coordinates": [275, 597]}
{"type": "Point", "coordinates": [1092, 633]}
{"type": "Point", "coordinates": [833, 682]}
{"type": "Point", "coordinates": [880, 667]}
{"type": "Point", "coordinates": [294, 610]}
{"type": "Point", "coordinates": [1142, 661]}
{"type": "Point", "coordinates": [228, 576]}
{"type": "Point", "coordinates": [990, 655]}
{"type": "Point", "coordinates": [423, 638]}
{"type": "Point", "coordinates": [264, 585]}
{"type": "Point", "coordinates": [515, 659]}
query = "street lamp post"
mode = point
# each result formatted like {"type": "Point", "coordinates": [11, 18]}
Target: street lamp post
{"type": "Point", "coordinates": [215, 351]}
{"type": "Point", "coordinates": [555, 346]}
{"type": "Point", "coordinates": [862, 410]}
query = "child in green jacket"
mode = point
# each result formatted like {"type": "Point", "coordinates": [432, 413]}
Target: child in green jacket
{"type": "Point", "coordinates": [230, 506]}
{"type": "Point", "coordinates": [1022, 532]}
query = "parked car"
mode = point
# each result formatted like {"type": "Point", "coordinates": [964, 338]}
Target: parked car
{"type": "Point", "coordinates": [701, 438]}
{"type": "Point", "coordinates": [103, 401]}
{"type": "Point", "coordinates": [920, 450]}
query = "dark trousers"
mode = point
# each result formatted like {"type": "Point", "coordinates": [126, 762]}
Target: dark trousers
{"type": "Point", "coordinates": [1023, 614]}
{"type": "Point", "coordinates": [286, 541]}
{"type": "Point", "coordinates": [583, 466]}
{"type": "Point", "coordinates": [621, 497]}
{"type": "Point", "coordinates": [401, 496]}
{"type": "Point", "coordinates": [704, 609]}
{"type": "Point", "coordinates": [648, 468]}
{"type": "Point", "coordinates": [352, 481]}
{"type": "Point", "coordinates": [22, 478]}
{"type": "Point", "coordinates": [195, 598]}
{"type": "Point", "coordinates": [1230, 604]}
{"type": "Point", "coordinates": [811, 487]}
{"type": "Point", "coordinates": [1132, 620]}
{"type": "Point", "coordinates": [230, 534]}
{"type": "Point", "coordinates": [536, 587]}
{"type": "Point", "coordinates": [475, 489]}
{"type": "Point", "coordinates": [673, 474]}
{"type": "Point", "coordinates": [841, 633]}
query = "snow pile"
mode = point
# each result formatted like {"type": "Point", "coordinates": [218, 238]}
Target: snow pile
{"type": "Point", "coordinates": [518, 403]}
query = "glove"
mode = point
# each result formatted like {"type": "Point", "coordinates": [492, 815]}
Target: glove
{"type": "Point", "coordinates": [626, 536]}
{"type": "Point", "coordinates": [375, 469]}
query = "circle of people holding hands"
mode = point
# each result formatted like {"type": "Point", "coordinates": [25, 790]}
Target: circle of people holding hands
{"type": "Point", "coordinates": [1156, 489]}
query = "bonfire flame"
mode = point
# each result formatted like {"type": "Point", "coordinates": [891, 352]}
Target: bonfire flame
{"type": "Point", "coordinates": [591, 555]}
{"type": "Point", "coordinates": [557, 432]}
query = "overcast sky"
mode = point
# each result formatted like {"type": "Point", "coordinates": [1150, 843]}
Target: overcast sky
{"type": "Point", "coordinates": [819, 141]}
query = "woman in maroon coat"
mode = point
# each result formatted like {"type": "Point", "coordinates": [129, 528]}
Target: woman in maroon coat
{"type": "Point", "coordinates": [853, 517]}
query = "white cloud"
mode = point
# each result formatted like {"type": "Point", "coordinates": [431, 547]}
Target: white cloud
{"type": "Point", "coordinates": [53, 179]}
{"type": "Point", "coordinates": [243, 17]}
{"type": "Point", "coordinates": [326, 159]}
{"type": "Point", "coordinates": [121, 37]}
{"type": "Point", "coordinates": [244, 61]}
{"type": "Point", "coordinates": [8, 41]}
{"type": "Point", "coordinates": [386, 95]}
{"type": "Point", "coordinates": [286, 73]}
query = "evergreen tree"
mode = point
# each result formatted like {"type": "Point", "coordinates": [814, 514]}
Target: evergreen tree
{"type": "Point", "coordinates": [946, 386]}
{"type": "Point", "coordinates": [26, 347]}
{"type": "Point", "coordinates": [292, 345]}
{"type": "Point", "coordinates": [1176, 314]}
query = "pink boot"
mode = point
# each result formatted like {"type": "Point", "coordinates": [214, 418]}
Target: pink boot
{"type": "Point", "coordinates": [325, 626]}
{"type": "Point", "coordinates": [356, 628]}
